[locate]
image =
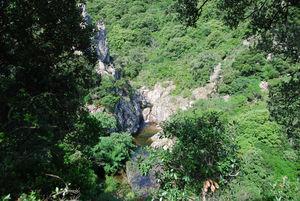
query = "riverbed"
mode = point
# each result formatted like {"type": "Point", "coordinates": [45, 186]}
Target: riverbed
{"type": "Point", "coordinates": [142, 185]}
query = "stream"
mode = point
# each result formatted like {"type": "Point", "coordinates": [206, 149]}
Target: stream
{"type": "Point", "coordinates": [143, 137]}
{"type": "Point", "coordinates": [142, 185]}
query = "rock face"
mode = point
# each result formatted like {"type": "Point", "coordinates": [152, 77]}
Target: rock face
{"type": "Point", "coordinates": [164, 105]}
{"type": "Point", "coordinates": [128, 111]}
{"type": "Point", "coordinates": [264, 86]}
{"type": "Point", "coordinates": [99, 41]}
{"type": "Point", "coordinates": [84, 14]}
{"type": "Point", "coordinates": [102, 45]}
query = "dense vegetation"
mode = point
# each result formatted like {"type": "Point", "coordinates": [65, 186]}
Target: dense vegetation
{"type": "Point", "coordinates": [48, 139]}
{"type": "Point", "coordinates": [243, 148]}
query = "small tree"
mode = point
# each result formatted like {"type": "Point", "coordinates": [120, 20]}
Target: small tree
{"type": "Point", "coordinates": [112, 152]}
{"type": "Point", "coordinates": [203, 154]}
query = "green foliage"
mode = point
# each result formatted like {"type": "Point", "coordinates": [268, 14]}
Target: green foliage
{"type": "Point", "coordinates": [267, 18]}
{"type": "Point", "coordinates": [112, 152]}
{"type": "Point", "coordinates": [30, 197]}
{"type": "Point", "coordinates": [177, 46]}
{"type": "Point", "coordinates": [105, 94]}
{"type": "Point", "coordinates": [202, 66]}
{"type": "Point", "coordinates": [284, 104]}
{"type": "Point", "coordinates": [42, 82]}
{"type": "Point", "coordinates": [121, 38]}
{"type": "Point", "coordinates": [86, 134]}
{"type": "Point", "coordinates": [204, 150]}
{"type": "Point", "coordinates": [214, 40]}
{"type": "Point", "coordinates": [108, 122]}
{"type": "Point", "coordinates": [111, 184]}
{"type": "Point", "coordinates": [247, 86]}
{"type": "Point", "coordinates": [255, 127]}
{"type": "Point", "coordinates": [42, 85]}
{"type": "Point", "coordinates": [249, 63]}
{"type": "Point", "coordinates": [6, 197]}
{"type": "Point", "coordinates": [260, 178]}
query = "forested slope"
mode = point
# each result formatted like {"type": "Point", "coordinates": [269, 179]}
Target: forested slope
{"type": "Point", "coordinates": [151, 43]}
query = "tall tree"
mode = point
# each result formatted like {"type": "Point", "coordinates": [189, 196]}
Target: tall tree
{"type": "Point", "coordinates": [41, 82]}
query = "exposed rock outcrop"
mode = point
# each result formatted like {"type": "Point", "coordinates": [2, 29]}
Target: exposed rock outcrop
{"type": "Point", "coordinates": [164, 104]}
{"type": "Point", "coordinates": [128, 112]}
{"type": "Point", "coordinates": [264, 86]}
{"type": "Point", "coordinates": [102, 45]}
{"type": "Point", "coordinates": [161, 142]}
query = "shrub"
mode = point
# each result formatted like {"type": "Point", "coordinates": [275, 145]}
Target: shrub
{"type": "Point", "coordinates": [203, 150]}
{"type": "Point", "coordinates": [255, 127]}
{"type": "Point", "coordinates": [284, 104]}
{"type": "Point", "coordinates": [144, 21]}
{"type": "Point", "coordinates": [119, 36]}
{"type": "Point", "coordinates": [111, 184]}
{"type": "Point", "coordinates": [107, 122]}
{"type": "Point", "coordinates": [249, 62]}
{"type": "Point", "coordinates": [177, 46]}
{"type": "Point", "coordinates": [106, 94]}
{"type": "Point", "coordinates": [214, 40]}
{"type": "Point", "coordinates": [112, 152]}
{"type": "Point", "coordinates": [202, 66]}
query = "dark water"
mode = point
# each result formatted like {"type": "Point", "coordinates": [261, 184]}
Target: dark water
{"type": "Point", "coordinates": [143, 137]}
{"type": "Point", "coordinates": [142, 185]}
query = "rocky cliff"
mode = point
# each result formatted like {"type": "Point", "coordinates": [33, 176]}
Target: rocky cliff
{"type": "Point", "coordinates": [128, 110]}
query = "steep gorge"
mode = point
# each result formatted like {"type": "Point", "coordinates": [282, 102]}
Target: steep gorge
{"type": "Point", "coordinates": [143, 104]}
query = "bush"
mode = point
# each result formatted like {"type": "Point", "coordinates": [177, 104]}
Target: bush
{"type": "Point", "coordinates": [249, 62]}
{"type": "Point", "coordinates": [202, 66]}
{"type": "Point", "coordinates": [255, 127]}
{"type": "Point", "coordinates": [169, 32]}
{"type": "Point", "coordinates": [112, 152]}
{"type": "Point", "coordinates": [284, 104]}
{"type": "Point", "coordinates": [119, 36]}
{"type": "Point", "coordinates": [177, 46]}
{"type": "Point", "coordinates": [247, 86]}
{"type": "Point", "coordinates": [203, 150]}
{"type": "Point", "coordinates": [108, 122]}
{"type": "Point", "coordinates": [144, 21]}
{"type": "Point", "coordinates": [105, 94]}
{"type": "Point", "coordinates": [214, 40]}
{"type": "Point", "coordinates": [111, 184]}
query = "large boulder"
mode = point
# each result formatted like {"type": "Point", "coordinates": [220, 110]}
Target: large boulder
{"type": "Point", "coordinates": [158, 141]}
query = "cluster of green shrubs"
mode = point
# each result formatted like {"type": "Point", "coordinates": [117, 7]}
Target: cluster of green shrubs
{"type": "Point", "coordinates": [249, 68]}
{"type": "Point", "coordinates": [104, 95]}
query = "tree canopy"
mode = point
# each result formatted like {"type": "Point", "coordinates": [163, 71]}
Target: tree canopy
{"type": "Point", "coordinates": [42, 81]}
{"type": "Point", "coordinates": [277, 21]}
